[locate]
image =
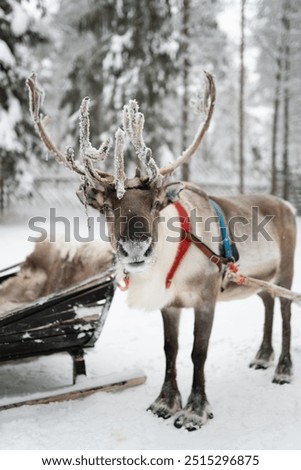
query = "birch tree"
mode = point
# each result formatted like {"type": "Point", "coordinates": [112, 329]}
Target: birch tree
{"type": "Point", "coordinates": [278, 36]}
{"type": "Point", "coordinates": [241, 99]}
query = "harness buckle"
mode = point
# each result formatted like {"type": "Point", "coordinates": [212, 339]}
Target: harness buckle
{"type": "Point", "coordinates": [215, 259]}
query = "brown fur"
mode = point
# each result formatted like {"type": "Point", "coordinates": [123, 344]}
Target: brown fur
{"type": "Point", "coordinates": [52, 267]}
{"type": "Point", "coordinates": [197, 284]}
{"type": "Point", "coordinates": [132, 217]}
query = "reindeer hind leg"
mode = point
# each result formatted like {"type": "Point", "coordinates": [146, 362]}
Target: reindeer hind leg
{"type": "Point", "coordinates": [284, 369]}
{"type": "Point", "coordinates": [265, 354]}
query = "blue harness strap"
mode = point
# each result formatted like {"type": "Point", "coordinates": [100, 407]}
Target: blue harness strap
{"type": "Point", "coordinates": [230, 250]}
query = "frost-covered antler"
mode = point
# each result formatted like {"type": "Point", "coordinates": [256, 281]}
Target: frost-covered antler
{"type": "Point", "coordinates": [88, 153]}
{"type": "Point", "coordinates": [133, 123]}
{"type": "Point", "coordinates": [119, 163]}
{"type": "Point", "coordinates": [35, 100]}
{"type": "Point", "coordinates": [207, 106]}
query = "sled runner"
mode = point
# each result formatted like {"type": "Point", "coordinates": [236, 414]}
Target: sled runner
{"type": "Point", "coordinates": [69, 321]}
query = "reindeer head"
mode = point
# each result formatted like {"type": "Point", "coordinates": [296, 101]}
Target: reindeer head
{"type": "Point", "coordinates": [131, 205]}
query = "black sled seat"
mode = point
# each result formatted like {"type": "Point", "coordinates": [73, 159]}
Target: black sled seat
{"type": "Point", "coordinates": [70, 321]}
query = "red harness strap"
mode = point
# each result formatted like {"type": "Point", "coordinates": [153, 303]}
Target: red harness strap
{"type": "Point", "coordinates": [187, 238]}
{"type": "Point", "coordinates": [183, 245]}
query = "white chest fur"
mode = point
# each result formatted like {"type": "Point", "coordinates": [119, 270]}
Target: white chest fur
{"type": "Point", "coordinates": [147, 290]}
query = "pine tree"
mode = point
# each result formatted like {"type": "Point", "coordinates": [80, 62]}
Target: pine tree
{"type": "Point", "coordinates": [130, 53]}
{"type": "Point", "coordinates": [17, 138]}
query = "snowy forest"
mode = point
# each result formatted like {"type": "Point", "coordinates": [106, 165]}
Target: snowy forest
{"type": "Point", "coordinates": [154, 51]}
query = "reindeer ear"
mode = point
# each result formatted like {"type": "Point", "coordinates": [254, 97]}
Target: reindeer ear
{"type": "Point", "coordinates": [90, 196]}
{"type": "Point", "coordinates": [173, 190]}
{"type": "Point", "coordinates": [81, 194]}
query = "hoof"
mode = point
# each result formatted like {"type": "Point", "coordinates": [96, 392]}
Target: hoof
{"type": "Point", "coordinates": [284, 371]}
{"type": "Point", "coordinates": [162, 409]}
{"type": "Point", "coordinates": [259, 365]}
{"type": "Point", "coordinates": [263, 359]}
{"type": "Point", "coordinates": [189, 421]}
{"type": "Point", "coordinates": [192, 421]}
{"type": "Point", "coordinates": [282, 379]}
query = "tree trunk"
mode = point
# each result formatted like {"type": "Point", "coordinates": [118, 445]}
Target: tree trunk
{"type": "Point", "coordinates": [275, 121]}
{"type": "Point", "coordinates": [241, 101]}
{"type": "Point", "coordinates": [1, 185]}
{"type": "Point", "coordinates": [286, 104]}
{"type": "Point", "coordinates": [186, 66]}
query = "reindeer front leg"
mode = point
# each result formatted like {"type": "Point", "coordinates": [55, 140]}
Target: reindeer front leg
{"type": "Point", "coordinates": [197, 412]}
{"type": "Point", "coordinates": [169, 400]}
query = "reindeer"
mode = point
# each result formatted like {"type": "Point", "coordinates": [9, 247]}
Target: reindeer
{"type": "Point", "coordinates": [166, 263]}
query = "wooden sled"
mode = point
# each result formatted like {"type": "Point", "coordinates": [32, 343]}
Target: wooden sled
{"type": "Point", "coordinates": [69, 321]}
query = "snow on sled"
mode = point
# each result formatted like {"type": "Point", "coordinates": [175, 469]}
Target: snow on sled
{"type": "Point", "coordinates": [68, 320]}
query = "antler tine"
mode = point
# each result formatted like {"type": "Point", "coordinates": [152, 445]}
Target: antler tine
{"type": "Point", "coordinates": [133, 123]}
{"type": "Point", "coordinates": [209, 102]}
{"type": "Point", "coordinates": [119, 163]}
{"type": "Point", "coordinates": [87, 151]}
{"type": "Point", "coordinates": [35, 99]}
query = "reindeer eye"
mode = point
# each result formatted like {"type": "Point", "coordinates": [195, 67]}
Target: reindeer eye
{"type": "Point", "coordinates": [106, 208]}
{"type": "Point", "coordinates": [157, 205]}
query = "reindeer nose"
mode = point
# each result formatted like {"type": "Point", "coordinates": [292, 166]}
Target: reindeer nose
{"type": "Point", "coordinates": [135, 250]}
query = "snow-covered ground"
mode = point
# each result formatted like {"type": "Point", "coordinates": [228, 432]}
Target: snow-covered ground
{"type": "Point", "coordinates": [250, 412]}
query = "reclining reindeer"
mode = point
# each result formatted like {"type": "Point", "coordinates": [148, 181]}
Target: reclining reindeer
{"type": "Point", "coordinates": [169, 265]}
